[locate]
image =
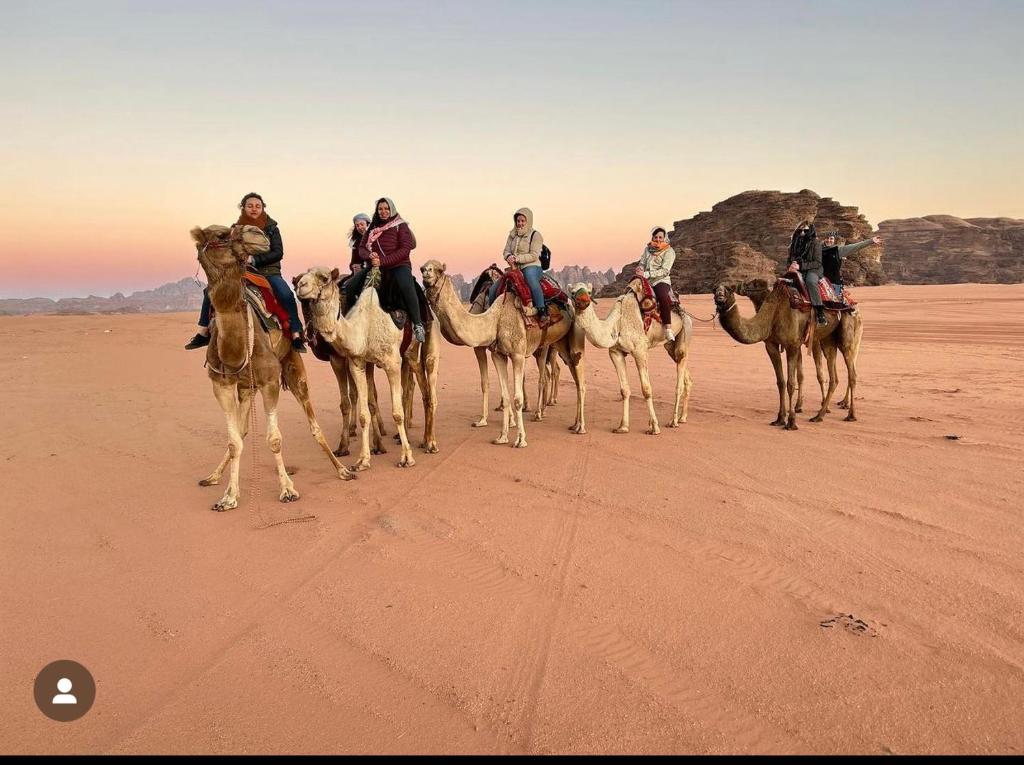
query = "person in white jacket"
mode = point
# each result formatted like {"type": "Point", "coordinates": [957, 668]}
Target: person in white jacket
{"type": "Point", "coordinates": [655, 265]}
{"type": "Point", "coordinates": [523, 248]}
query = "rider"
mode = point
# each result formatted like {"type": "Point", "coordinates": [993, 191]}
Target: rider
{"type": "Point", "coordinates": [832, 257]}
{"type": "Point", "coordinates": [655, 265]}
{"type": "Point", "coordinates": [805, 257]}
{"type": "Point", "coordinates": [523, 249]}
{"type": "Point", "coordinates": [268, 264]}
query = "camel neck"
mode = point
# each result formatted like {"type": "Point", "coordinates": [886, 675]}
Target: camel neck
{"type": "Point", "coordinates": [604, 333]}
{"type": "Point", "coordinates": [474, 330]}
{"type": "Point", "coordinates": [753, 330]}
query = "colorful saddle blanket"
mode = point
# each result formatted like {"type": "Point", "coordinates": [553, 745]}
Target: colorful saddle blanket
{"type": "Point", "coordinates": [554, 296]}
{"type": "Point", "coordinates": [799, 299]}
{"type": "Point", "coordinates": [259, 295]}
{"type": "Point", "coordinates": [649, 303]}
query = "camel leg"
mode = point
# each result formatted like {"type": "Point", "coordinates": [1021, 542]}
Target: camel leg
{"type": "Point", "coordinates": [294, 373]}
{"type": "Point", "coordinates": [244, 399]}
{"type": "Point", "coordinates": [426, 375]}
{"type": "Point", "coordinates": [360, 376]}
{"type": "Point", "coordinates": [828, 349]}
{"type": "Point", "coordinates": [554, 373]}
{"type": "Point", "coordinates": [819, 371]}
{"type": "Point", "coordinates": [793, 363]}
{"type": "Point", "coordinates": [684, 383]}
{"type": "Point", "coordinates": [619, 360]}
{"type": "Point", "coordinates": [579, 377]}
{"type": "Point", "coordinates": [775, 354]}
{"type": "Point", "coordinates": [501, 365]}
{"type": "Point", "coordinates": [377, 431]}
{"type": "Point", "coordinates": [542, 392]}
{"type": "Point", "coordinates": [481, 362]}
{"type": "Point", "coordinates": [340, 367]}
{"type": "Point", "coordinates": [850, 357]}
{"type": "Point", "coordinates": [519, 375]}
{"type": "Point", "coordinates": [800, 384]}
{"type": "Point", "coordinates": [271, 392]}
{"type": "Point", "coordinates": [225, 394]}
{"type": "Point", "coordinates": [394, 373]}
{"type": "Point", "coordinates": [640, 359]}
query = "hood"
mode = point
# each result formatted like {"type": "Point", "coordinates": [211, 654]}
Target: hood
{"type": "Point", "coordinates": [529, 218]}
{"type": "Point", "coordinates": [391, 204]}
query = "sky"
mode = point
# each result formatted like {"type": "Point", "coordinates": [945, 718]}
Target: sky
{"type": "Point", "coordinates": [125, 124]}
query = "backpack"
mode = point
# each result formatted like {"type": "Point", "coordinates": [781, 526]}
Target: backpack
{"type": "Point", "coordinates": [545, 255]}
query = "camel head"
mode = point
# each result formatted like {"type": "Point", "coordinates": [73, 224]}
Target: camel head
{"type": "Point", "coordinates": [222, 250]}
{"type": "Point", "coordinates": [724, 296]}
{"type": "Point", "coordinates": [581, 295]}
{"type": "Point", "coordinates": [317, 284]}
{"type": "Point", "coordinates": [433, 272]}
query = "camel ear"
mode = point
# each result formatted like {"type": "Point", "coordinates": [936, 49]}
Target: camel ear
{"type": "Point", "coordinates": [198, 236]}
{"type": "Point", "coordinates": [444, 267]}
{"type": "Point", "coordinates": [295, 280]}
{"type": "Point", "coordinates": [335, 274]}
{"type": "Point", "coordinates": [590, 287]}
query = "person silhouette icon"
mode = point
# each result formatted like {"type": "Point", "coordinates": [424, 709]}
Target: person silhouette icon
{"type": "Point", "coordinates": [64, 685]}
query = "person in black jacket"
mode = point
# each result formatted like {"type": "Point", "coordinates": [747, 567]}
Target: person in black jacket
{"type": "Point", "coordinates": [833, 255]}
{"type": "Point", "coordinates": [268, 264]}
{"type": "Point", "coordinates": [805, 257]}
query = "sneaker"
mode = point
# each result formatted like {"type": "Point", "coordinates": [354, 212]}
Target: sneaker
{"type": "Point", "coordinates": [419, 333]}
{"type": "Point", "coordinates": [670, 336]}
{"type": "Point", "coordinates": [298, 345]}
{"type": "Point", "coordinates": [199, 341]}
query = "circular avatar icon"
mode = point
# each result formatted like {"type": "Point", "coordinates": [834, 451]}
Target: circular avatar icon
{"type": "Point", "coordinates": [64, 690]}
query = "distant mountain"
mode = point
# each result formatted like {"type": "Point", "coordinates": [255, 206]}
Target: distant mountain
{"type": "Point", "coordinates": [186, 295]}
{"type": "Point", "coordinates": [183, 295]}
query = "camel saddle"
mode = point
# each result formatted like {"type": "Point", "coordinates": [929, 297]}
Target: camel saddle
{"type": "Point", "coordinates": [259, 295]}
{"type": "Point", "coordinates": [649, 302]}
{"type": "Point", "coordinates": [796, 288]}
{"type": "Point", "coordinates": [554, 296]}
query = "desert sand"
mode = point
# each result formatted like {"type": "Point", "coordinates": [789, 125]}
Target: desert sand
{"type": "Point", "coordinates": [723, 587]}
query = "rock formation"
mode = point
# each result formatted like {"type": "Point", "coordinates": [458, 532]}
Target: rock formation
{"type": "Point", "coordinates": [942, 249]}
{"type": "Point", "coordinates": [747, 236]}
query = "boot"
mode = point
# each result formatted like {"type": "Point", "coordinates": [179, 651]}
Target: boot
{"type": "Point", "coordinates": [670, 336]}
{"type": "Point", "coordinates": [819, 315]}
{"type": "Point", "coordinates": [298, 344]}
{"type": "Point", "coordinates": [199, 341]}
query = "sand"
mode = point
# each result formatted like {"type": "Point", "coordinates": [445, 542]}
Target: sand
{"type": "Point", "coordinates": [723, 587]}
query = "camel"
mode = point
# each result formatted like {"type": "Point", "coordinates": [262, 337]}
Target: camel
{"type": "Point", "coordinates": [347, 388]}
{"type": "Point", "coordinates": [758, 289]}
{"type": "Point", "coordinates": [503, 329]}
{"type": "Point", "coordinates": [782, 327]}
{"type": "Point", "coordinates": [622, 333]}
{"type": "Point", "coordinates": [241, 358]}
{"type": "Point", "coordinates": [479, 305]}
{"type": "Point", "coordinates": [367, 335]}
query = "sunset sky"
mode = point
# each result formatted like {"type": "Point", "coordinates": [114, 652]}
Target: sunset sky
{"type": "Point", "coordinates": [124, 124]}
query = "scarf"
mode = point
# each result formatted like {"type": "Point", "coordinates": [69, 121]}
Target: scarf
{"type": "Point", "coordinates": [374, 234]}
{"type": "Point", "coordinates": [654, 248]}
{"type": "Point", "coordinates": [260, 222]}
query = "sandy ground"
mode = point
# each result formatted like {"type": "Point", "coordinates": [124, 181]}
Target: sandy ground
{"type": "Point", "coordinates": [695, 592]}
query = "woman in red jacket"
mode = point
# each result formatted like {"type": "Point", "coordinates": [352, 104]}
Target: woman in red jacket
{"type": "Point", "coordinates": [388, 243]}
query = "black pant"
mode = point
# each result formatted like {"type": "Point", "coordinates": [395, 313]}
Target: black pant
{"type": "Point", "coordinates": [399, 278]}
{"type": "Point", "coordinates": [664, 294]}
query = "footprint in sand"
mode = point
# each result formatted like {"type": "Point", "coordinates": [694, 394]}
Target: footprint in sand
{"type": "Point", "coordinates": [850, 623]}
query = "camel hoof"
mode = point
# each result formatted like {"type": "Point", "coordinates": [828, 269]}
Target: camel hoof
{"type": "Point", "coordinates": [653, 431]}
{"type": "Point", "coordinates": [209, 481]}
{"type": "Point", "coordinates": [225, 504]}
{"type": "Point", "coordinates": [519, 444]}
{"type": "Point", "coordinates": [779, 423]}
{"type": "Point", "coordinates": [816, 418]}
{"type": "Point", "coordinates": [799, 408]}
{"type": "Point", "coordinates": [791, 426]}
{"type": "Point", "coordinates": [479, 424]}
{"type": "Point", "coordinates": [289, 495]}
{"type": "Point", "coordinates": [406, 462]}
{"type": "Point", "coordinates": [430, 448]}
{"type": "Point", "coordinates": [538, 417]}
{"type": "Point", "coordinates": [351, 431]}
{"type": "Point", "coordinates": [345, 474]}
{"type": "Point", "coordinates": [396, 438]}
{"type": "Point", "coordinates": [849, 418]}
{"type": "Point", "coordinates": [360, 466]}
{"type": "Point", "coordinates": [500, 440]}
{"type": "Point", "coordinates": [621, 430]}
{"type": "Point", "coordinates": [341, 452]}
{"type": "Point", "coordinates": [842, 405]}
{"type": "Point", "coordinates": [378, 450]}
{"type": "Point", "coordinates": [499, 408]}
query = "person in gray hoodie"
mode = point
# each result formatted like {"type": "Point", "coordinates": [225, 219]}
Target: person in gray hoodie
{"type": "Point", "coordinates": [522, 250]}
